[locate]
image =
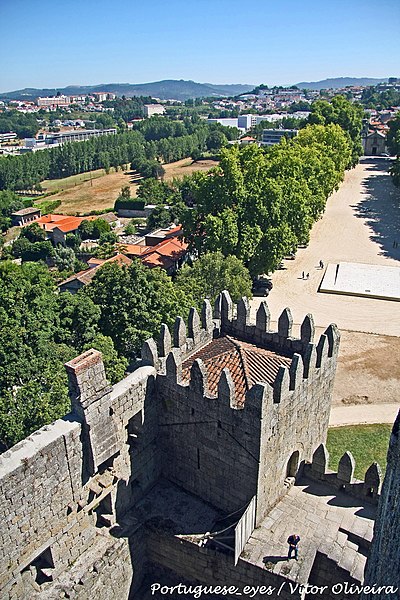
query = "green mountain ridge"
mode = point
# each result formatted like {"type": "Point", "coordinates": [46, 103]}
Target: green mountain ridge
{"type": "Point", "coordinates": [165, 90]}
{"type": "Point", "coordinates": [339, 82]}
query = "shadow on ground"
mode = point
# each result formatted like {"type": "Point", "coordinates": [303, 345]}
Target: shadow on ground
{"type": "Point", "coordinates": [380, 208]}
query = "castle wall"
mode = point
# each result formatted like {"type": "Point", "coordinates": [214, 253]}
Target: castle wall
{"type": "Point", "coordinates": [69, 523]}
{"type": "Point", "coordinates": [57, 503]}
{"type": "Point", "coordinates": [209, 448]}
{"type": "Point", "coordinates": [211, 567]}
{"type": "Point", "coordinates": [295, 411]}
{"type": "Point", "coordinates": [383, 563]}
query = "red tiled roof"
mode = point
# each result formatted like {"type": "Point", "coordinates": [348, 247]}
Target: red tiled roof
{"type": "Point", "coordinates": [162, 255]}
{"type": "Point", "coordinates": [247, 363]}
{"type": "Point", "coordinates": [133, 249]}
{"type": "Point", "coordinates": [87, 275]}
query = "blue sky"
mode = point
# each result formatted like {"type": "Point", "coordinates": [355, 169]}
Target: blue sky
{"type": "Point", "coordinates": [54, 43]}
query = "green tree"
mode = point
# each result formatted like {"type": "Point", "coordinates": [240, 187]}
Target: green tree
{"type": "Point", "coordinates": [32, 378]}
{"type": "Point", "coordinates": [213, 273]}
{"type": "Point", "coordinates": [64, 258]}
{"type": "Point", "coordinates": [393, 135]}
{"type": "Point", "coordinates": [134, 301]}
{"type": "Point", "coordinates": [216, 140]}
{"type": "Point", "coordinates": [33, 233]}
{"type": "Point", "coordinates": [160, 217]}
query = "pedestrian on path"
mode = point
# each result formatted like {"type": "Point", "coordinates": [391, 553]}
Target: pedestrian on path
{"type": "Point", "coordinates": [302, 275]}
{"type": "Point", "coordinates": [308, 275]}
{"type": "Point", "coordinates": [293, 541]}
{"type": "Point", "coordinates": [321, 264]}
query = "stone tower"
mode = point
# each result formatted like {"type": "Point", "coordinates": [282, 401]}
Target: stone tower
{"type": "Point", "coordinates": [383, 565]}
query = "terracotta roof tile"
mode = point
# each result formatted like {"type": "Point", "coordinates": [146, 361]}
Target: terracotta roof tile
{"type": "Point", "coordinates": [247, 363]}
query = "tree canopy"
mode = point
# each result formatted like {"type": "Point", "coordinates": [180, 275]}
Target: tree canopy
{"type": "Point", "coordinates": [258, 205]}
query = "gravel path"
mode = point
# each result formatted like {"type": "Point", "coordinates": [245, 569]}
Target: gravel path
{"type": "Point", "coordinates": [360, 224]}
{"type": "Point", "coordinates": [358, 415]}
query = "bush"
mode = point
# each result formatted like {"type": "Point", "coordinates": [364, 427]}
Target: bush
{"type": "Point", "coordinates": [129, 204]}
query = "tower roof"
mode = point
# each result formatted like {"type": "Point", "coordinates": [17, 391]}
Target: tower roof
{"type": "Point", "coordinates": [247, 363]}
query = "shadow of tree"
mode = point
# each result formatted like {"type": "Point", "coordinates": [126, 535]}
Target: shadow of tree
{"type": "Point", "coordinates": [380, 207]}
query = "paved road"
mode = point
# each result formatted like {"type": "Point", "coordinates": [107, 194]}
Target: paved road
{"type": "Point", "coordinates": [363, 413]}
{"type": "Point", "coordinates": [361, 221]}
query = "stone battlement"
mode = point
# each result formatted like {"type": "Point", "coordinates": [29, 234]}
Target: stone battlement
{"type": "Point", "coordinates": [344, 479]}
{"type": "Point", "coordinates": [222, 408]}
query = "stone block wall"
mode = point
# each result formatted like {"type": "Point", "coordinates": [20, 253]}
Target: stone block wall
{"type": "Point", "coordinates": [343, 479]}
{"type": "Point", "coordinates": [383, 563]}
{"type": "Point", "coordinates": [66, 485]}
{"type": "Point", "coordinates": [210, 567]}
{"type": "Point", "coordinates": [295, 411]}
{"type": "Point", "coordinates": [209, 448]}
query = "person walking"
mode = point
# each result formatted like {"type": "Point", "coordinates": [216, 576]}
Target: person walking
{"type": "Point", "coordinates": [308, 275]}
{"type": "Point", "coordinates": [302, 276]}
{"type": "Point", "coordinates": [293, 541]}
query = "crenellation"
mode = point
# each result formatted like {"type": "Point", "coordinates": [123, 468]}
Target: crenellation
{"type": "Point", "coordinates": [373, 480]}
{"type": "Point", "coordinates": [194, 325]}
{"type": "Point", "coordinates": [226, 308]}
{"type": "Point", "coordinates": [333, 334]}
{"type": "Point", "coordinates": [198, 383]}
{"type": "Point", "coordinates": [243, 312]}
{"type": "Point", "coordinates": [263, 317]}
{"type": "Point", "coordinates": [296, 371]}
{"type": "Point", "coordinates": [344, 479]}
{"type": "Point", "coordinates": [221, 428]}
{"type": "Point", "coordinates": [226, 389]}
{"type": "Point", "coordinates": [149, 354]}
{"type": "Point", "coordinates": [281, 384]}
{"type": "Point", "coordinates": [322, 351]}
{"type": "Point", "coordinates": [207, 317]}
{"type": "Point", "coordinates": [285, 324]}
{"type": "Point", "coordinates": [165, 341]}
{"type": "Point", "coordinates": [180, 334]}
{"type": "Point", "coordinates": [307, 329]}
{"type": "Point", "coordinates": [173, 365]}
{"type": "Point", "coordinates": [346, 468]}
{"type": "Point", "coordinates": [310, 361]}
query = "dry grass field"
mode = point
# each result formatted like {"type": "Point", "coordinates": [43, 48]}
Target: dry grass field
{"type": "Point", "coordinates": [98, 191]}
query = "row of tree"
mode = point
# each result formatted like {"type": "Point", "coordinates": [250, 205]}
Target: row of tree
{"type": "Point", "coordinates": [28, 170]}
{"type": "Point", "coordinates": [258, 205]}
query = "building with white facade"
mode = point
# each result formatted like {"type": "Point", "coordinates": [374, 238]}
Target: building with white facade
{"type": "Point", "coordinates": [153, 109]}
{"type": "Point", "coordinates": [54, 101]}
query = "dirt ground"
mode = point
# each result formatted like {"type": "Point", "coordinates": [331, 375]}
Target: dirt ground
{"type": "Point", "coordinates": [368, 369]}
{"type": "Point", "coordinates": [360, 223]}
{"type": "Point", "coordinates": [186, 167]}
{"type": "Point", "coordinates": [98, 191]}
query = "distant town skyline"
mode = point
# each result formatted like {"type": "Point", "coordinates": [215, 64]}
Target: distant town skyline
{"type": "Point", "coordinates": [47, 44]}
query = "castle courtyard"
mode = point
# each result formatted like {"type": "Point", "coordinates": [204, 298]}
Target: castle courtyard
{"type": "Point", "coordinates": [360, 225]}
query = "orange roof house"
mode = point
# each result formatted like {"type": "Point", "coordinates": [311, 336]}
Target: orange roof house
{"type": "Point", "coordinates": [167, 255]}
{"type": "Point", "coordinates": [57, 226]}
{"type": "Point", "coordinates": [79, 280]}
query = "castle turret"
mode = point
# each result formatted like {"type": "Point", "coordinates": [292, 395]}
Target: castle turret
{"type": "Point", "coordinates": [383, 565]}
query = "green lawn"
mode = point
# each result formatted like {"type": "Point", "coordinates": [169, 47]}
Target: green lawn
{"type": "Point", "coordinates": [367, 443]}
{"type": "Point", "coordinates": [50, 185]}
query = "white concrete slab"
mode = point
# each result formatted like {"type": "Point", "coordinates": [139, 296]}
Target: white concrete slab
{"type": "Point", "coordinates": [358, 279]}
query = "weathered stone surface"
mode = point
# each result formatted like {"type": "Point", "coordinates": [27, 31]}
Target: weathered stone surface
{"type": "Point", "coordinates": [64, 487]}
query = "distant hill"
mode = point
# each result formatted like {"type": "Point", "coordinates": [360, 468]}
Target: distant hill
{"type": "Point", "coordinates": [169, 89]}
{"type": "Point", "coordinates": [338, 82]}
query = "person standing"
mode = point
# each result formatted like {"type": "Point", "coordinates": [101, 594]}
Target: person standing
{"type": "Point", "coordinates": [293, 541]}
